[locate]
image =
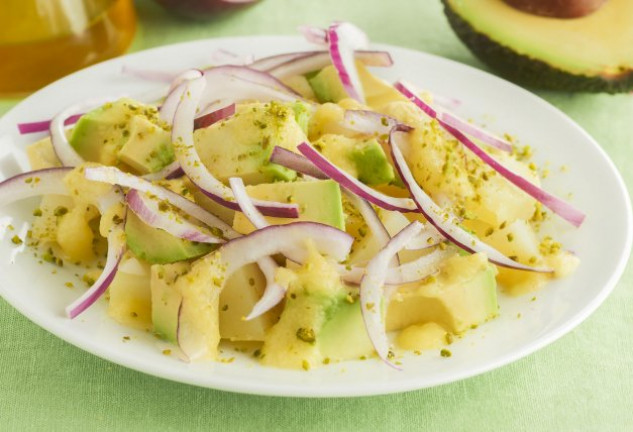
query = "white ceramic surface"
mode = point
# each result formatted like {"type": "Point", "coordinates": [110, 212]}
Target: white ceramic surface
{"type": "Point", "coordinates": [603, 243]}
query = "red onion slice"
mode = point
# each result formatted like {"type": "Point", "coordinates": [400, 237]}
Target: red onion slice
{"type": "Point", "coordinates": [288, 239]}
{"type": "Point", "coordinates": [372, 299]}
{"type": "Point", "coordinates": [475, 131]}
{"type": "Point", "coordinates": [44, 125]}
{"type": "Point", "coordinates": [246, 204]}
{"type": "Point", "coordinates": [213, 117]}
{"type": "Point", "coordinates": [375, 225]}
{"type": "Point", "coordinates": [555, 204]}
{"type": "Point", "coordinates": [187, 156]}
{"type": "Point", "coordinates": [313, 34]}
{"type": "Point", "coordinates": [343, 39]}
{"type": "Point", "coordinates": [114, 176]}
{"type": "Point", "coordinates": [319, 59]}
{"type": "Point", "coordinates": [174, 96]}
{"type": "Point", "coordinates": [116, 249]}
{"type": "Point", "coordinates": [296, 162]}
{"type": "Point", "coordinates": [148, 210]}
{"type": "Point", "coordinates": [270, 62]}
{"type": "Point", "coordinates": [354, 185]}
{"type": "Point", "coordinates": [274, 293]}
{"type": "Point", "coordinates": [443, 220]}
{"type": "Point", "coordinates": [47, 181]}
{"type": "Point", "coordinates": [428, 237]}
{"type": "Point", "coordinates": [230, 84]}
{"type": "Point", "coordinates": [368, 122]}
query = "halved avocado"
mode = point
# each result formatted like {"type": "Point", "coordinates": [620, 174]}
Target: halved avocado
{"type": "Point", "coordinates": [592, 53]}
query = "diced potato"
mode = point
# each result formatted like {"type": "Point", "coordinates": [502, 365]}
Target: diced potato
{"type": "Point", "coordinates": [74, 235]}
{"type": "Point", "coordinates": [41, 155]}
{"type": "Point", "coordinates": [130, 301]}
{"type": "Point", "coordinates": [422, 337]}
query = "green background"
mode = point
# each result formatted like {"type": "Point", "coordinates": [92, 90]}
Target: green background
{"type": "Point", "coordinates": [583, 382]}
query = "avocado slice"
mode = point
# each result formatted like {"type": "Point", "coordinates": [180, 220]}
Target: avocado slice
{"type": "Point", "coordinates": [592, 53]}
{"type": "Point", "coordinates": [124, 126]}
{"type": "Point", "coordinates": [327, 87]}
{"type": "Point", "coordinates": [185, 299]}
{"type": "Point", "coordinates": [371, 163]}
{"type": "Point", "coordinates": [318, 201]}
{"type": "Point", "coordinates": [318, 315]}
{"type": "Point", "coordinates": [166, 298]}
{"type": "Point", "coordinates": [462, 295]}
{"type": "Point", "coordinates": [157, 246]}
{"type": "Point", "coordinates": [364, 159]}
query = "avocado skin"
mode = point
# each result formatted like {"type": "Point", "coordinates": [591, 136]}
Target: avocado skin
{"type": "Point", "coordinates": [531, 72]}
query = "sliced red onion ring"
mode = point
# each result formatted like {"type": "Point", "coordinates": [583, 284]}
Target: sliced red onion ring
{"type": "Point", "coordinates": [213, 117]}
{"type": "Point", "coordinates": [47, 181]}
{"type": "Point", "coordinates": [44, 125]}
{"type": "Point", "coordinates": [375, 225]}
{"type": "Point", "coordinates": [296, 162]}
{"type": "Point", "coordinates": [184, 148]}
{"type": "Point", "coordinates": [313, 34]}
{"type": "Point", "coordinates": [343, 39]}
{"type": "Point", "coordinates": [443, 220]}
{"type": "Point", "coordinates": [268, 63]}
{"type": "Point", "coordinates": [412, 271]}
{"type": "Point", "coordinates": [288, 239]}
{"type": "Point", "coordinates": [372, 299]}
{"type": "Point", "coordinates": [427, 238]}
{"type": "Point", "coordinates": [274, 293]}
{"type": "Point", "coordinates": [116, 249]}
{"type": "Point", "coordinates": [246, 204]}
{"type": "Point", "coordinates": [555, 204]}
{"type": "Point", "coordinates": [475, 131]}
{"type": "Point", "coordinates": [114, 176]}
{"type": "Point", "coordinates": [563, 209]}
{"type": "Point", "coordinates": [368, 122]}
{"type": "Point", "coordinates": [175, 94]}
{"type": "Point", "coordinates": [408, 91]}
{"type": "Point", "coordinates": [354, 185]}
{"type": "Point", "coordinates": [319, 59]}
{"type": "Point", "coordinates": [148, 210]}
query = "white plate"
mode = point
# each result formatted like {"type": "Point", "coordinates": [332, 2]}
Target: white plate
{"type": "Point", "coordinates": [603, 243]}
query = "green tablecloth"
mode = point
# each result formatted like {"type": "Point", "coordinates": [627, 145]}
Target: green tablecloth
{"type": "Point", "coordinates": [582, 382]}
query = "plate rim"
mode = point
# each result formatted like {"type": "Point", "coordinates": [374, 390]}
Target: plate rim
{"type": "Point", "coordinates": [316, 391]}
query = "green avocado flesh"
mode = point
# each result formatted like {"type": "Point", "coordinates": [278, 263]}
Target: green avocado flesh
{"type": "Point", "coordinates": [462, 295]}
{"type": "Point", "coordinates": [321, 321]}
{"type": "Point", "coordinates": [157, 246]}
{"type": "Point", "coordinates": [124, 131]}
{"type": "Point", "coordinates": [371, 163]}
{"type": "Point", "coordinates": [318, 201]}
{"type": "Point", "coordinates": [592, 53]}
